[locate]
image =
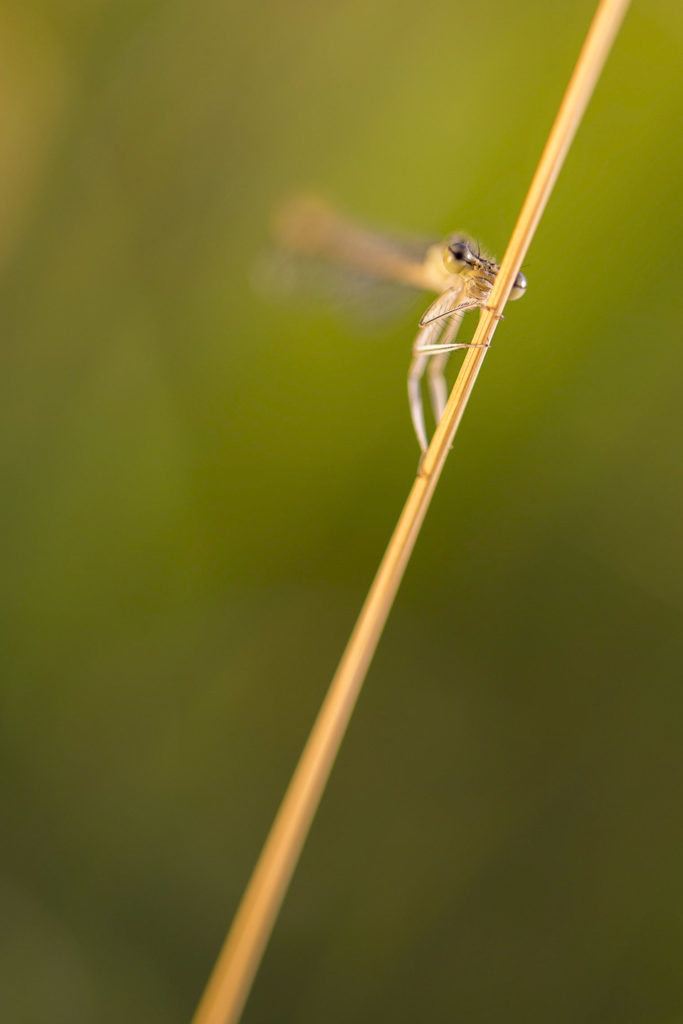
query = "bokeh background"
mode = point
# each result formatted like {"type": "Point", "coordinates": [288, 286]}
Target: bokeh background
{"type": "Point", "coordinates": [198, 482]}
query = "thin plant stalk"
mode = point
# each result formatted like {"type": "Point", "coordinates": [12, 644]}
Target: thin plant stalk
{"type": "Point", "coordinates": [233, 974]}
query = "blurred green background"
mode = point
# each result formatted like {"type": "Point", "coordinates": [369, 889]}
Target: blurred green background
{"type": "Point", "coordinates": [198, 484]}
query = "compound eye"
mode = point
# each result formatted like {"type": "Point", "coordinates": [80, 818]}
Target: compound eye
{"type": "Point", "coordinates": [459, 252]}
{"type": "Point", "coordinates": [456, 256]}
{"type": "Point", "coordinates": [519, 287]}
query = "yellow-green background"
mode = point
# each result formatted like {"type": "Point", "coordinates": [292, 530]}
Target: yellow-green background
{"type": "Point", "coordinates": [197, 486]}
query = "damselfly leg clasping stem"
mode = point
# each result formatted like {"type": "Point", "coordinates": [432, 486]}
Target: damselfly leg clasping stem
{"type": "Point", "coordinates": [457, 270]}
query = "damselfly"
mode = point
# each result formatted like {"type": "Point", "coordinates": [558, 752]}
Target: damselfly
{"type": "Point", "coordinates": [456, 269]}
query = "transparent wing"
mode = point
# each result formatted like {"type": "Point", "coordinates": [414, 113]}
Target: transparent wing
{"type": "Point", "coordinates": [317, 253]}
{"type": "Point", "coordinates": [307, 224]}
{"type": "Point", "coordinates": [363, 300]}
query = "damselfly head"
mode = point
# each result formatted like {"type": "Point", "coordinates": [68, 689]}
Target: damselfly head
{"type": "Point", "coordinates": [462, 256]}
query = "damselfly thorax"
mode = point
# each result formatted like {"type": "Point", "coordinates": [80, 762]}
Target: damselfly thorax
{"type": "Point", "coordinates": [456, 269]}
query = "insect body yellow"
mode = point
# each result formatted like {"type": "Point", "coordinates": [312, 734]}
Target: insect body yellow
{"type": "Point", "coordinates": [460, 274]}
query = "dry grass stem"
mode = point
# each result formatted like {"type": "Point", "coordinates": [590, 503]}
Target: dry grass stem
{"type": "Point", "coordinates": [233, 974]}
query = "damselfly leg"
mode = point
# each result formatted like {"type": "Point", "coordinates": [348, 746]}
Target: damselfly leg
{"type": "Point", "coordinates": [431, 349]}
